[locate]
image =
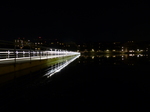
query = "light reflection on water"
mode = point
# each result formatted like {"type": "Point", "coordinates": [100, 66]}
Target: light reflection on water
{"type": "Point", "coordinates": [115, 55]}
{"type": "Point", "coordinates": [36, 72]}
{"type": "Point", "coordinates": [116, 59]}
{"type": "Point", "coordinates": [87, 83]}
{"type": "Point", "coordinates": [59, 66]}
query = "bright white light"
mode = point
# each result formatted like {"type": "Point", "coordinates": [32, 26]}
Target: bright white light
{"type": "Point", "coordinates": [59, 67]}
{"type": "Point", "coordinates": [131, 54]}
{"type": "Point", "coordinates": [92, 57]}
{"type": "Point", "coordinates": [141, 54]}
{"type": "Point", "coordinates": [8, 52]}
{"type": "Point", "coordinates": [93, 50]}
{"type": "Point", "coordinates": [49, 54]}
{"type": "Point", "coordinates": [16, 52]}
{"type": "Point", "coordinates": [107, 56]}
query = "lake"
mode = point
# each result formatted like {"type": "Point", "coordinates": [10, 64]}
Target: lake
{"type": "Point", "coordinates": [89, 83]}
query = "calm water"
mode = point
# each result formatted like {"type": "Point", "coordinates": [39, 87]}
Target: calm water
{"type": "Point", "coordinates": [90, 83]}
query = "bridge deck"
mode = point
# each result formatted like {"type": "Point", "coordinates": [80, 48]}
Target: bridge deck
{"type": "Point", "coordinates": [26, 59]}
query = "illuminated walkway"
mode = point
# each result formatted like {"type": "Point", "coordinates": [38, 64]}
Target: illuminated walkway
{"type": "Point", "coordinates": [25, 59]}
{"type": "Point", "coordinates": [20, 56]}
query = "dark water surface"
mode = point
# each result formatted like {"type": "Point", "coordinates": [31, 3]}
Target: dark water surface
{"type": "Point", "coordinates": [90, 83]}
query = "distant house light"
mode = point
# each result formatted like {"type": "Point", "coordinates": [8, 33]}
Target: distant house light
{"type": "Point", "coordinates": [107, 56]}
{"type": "Point", "coordinates": [92, 57]}
{"type": "Point", "coordinates": [141, 55]}
{"type": "Point", "coordinates": [131, 50]}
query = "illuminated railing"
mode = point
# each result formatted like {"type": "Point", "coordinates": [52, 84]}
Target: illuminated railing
{"type": "Point", "coordinates": [25, 54]}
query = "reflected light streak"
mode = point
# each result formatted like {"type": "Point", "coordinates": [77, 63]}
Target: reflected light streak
{"type": "Point", "coordinates": [114, 56]}
{"type": "Point", "coordinates": [131, 54]}
{"type": "Point", "coordinates": [58, 67]}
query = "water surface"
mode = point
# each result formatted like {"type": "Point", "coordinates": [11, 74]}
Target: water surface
{"type": "Point", "coordinates": [90, 83]}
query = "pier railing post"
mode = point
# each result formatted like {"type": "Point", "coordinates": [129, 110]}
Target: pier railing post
{"type": "Point", "coordinates": [15, 55]}
{"type": "Point", "coordinates": [30, 56]}
{"type": "Point", "coordinates": [40, 54]}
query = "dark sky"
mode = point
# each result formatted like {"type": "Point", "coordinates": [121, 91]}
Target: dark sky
{"type": "Point", "coordinates": [76, 21]}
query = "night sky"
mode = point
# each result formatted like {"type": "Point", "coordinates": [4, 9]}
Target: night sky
{"type": "Point", "coordinates": [76, 21]}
